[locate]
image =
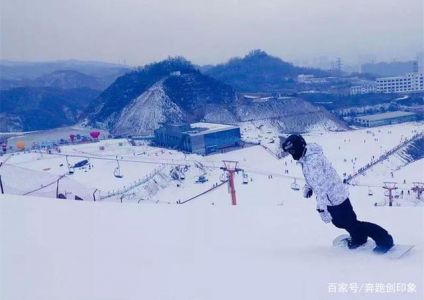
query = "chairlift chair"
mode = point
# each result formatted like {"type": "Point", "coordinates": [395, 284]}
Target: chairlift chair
{"type": "Point", "coordinates": [245, 178]}
{"type": "Point", "coordinates": [117, 171]}
{"type": "Point", "coordinates": [223, 177]}
{"type": "Point", "coordinates": [295, 186]}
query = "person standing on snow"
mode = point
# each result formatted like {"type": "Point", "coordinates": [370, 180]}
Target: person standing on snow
{"type": "Point", "coordinates": [332, 196]}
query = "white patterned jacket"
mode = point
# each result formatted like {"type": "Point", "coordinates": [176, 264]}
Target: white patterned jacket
{"type": "Point", "coordinates": [322, 178]}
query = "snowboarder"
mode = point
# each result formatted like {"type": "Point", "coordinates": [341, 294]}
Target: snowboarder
{"type": "Point", "coordinates": [333, 204]}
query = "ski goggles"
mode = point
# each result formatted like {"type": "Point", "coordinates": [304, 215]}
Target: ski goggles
{"type": "Point", "coordinates": [288, 147]}
{"type": "Point", "coordinates": [291, 151]}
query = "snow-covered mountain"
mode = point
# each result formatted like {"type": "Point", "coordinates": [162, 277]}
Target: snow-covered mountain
{"type": "Point", "coordinates": [168, 91]}
{"type": "Point", "coordinates": [173, 90]}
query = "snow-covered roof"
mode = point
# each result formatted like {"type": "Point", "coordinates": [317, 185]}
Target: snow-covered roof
{"type": "Point", "coordinates": [250, 97]}
{"type": "Point", "coordinates": [386, 115]}
{"type": "Point", "coordinates": [205, 128]}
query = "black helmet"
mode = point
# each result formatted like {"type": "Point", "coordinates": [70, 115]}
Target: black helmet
{"type": "Point", "coordinates": [295, 145]}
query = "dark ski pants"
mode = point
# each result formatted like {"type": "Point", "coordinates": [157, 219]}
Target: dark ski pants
{"type": "Point", "coordinates": [344, 217]}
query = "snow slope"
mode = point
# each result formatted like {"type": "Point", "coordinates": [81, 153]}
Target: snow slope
{"type": "Point", "coordinates": [55, 249]}
{"type": "Point", "coordinates": [348, 151]}
{"type": "Point", "coordinates": [272, 245]}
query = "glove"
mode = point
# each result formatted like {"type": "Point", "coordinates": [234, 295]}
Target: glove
{"type": "Point", "coordinates": [307, 191]}
{"type": "Point", "coordinates": [325, 215]}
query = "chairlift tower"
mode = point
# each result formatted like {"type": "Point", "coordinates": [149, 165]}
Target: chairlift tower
{"type": "Point", "coordinates": [230, 167]}
{"type": "Point", "coordinates": [390, 186]}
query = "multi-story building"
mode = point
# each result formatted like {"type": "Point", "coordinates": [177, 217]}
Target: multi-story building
{"type": "Point", "coordinates": [409, 83]}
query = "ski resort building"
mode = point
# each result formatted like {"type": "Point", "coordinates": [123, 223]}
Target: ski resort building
{"type": "Point", "coordinates": [387, 118]}
{"type": "Point", "coordinates": [200, 138]}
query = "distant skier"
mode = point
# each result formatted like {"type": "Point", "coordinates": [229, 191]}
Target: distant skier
{"type": "Point", "coordinates": [332, 196]}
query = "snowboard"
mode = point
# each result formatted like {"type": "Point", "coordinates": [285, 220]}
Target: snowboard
{"type": "Point", "coordinates": [396, 252]}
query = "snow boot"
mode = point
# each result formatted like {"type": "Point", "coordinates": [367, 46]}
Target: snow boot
{"type": "Point", "coordinates": [383, 248]}
{"type": "Point", "coordinates": [351, 244]}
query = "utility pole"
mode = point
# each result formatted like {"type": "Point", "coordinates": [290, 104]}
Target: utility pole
{"type": "Point", "coordinates": [230, 167]}
{"type": "Point", "coordinates": [418, 188]}
{"type": "Point", "coordinates": [390, 186]}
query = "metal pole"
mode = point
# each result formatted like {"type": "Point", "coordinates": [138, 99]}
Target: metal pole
{"type": "Point", "coordinates": [1, 185]}
{"type": "Point", "coordinates": [94, 195]}
{"type": "Point", "coordinates": [232, 188]}
{"type": "Point", "coordinates": [67, 164]}
{"type": "Point", "coordinates": [231, 168]}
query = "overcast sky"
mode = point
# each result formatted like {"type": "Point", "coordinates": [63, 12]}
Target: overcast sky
{"type": "Point", "coordinates": [209, 31]}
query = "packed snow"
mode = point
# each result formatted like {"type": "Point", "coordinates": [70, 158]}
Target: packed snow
{"type": "Point", "coordinates": [54, 249]}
